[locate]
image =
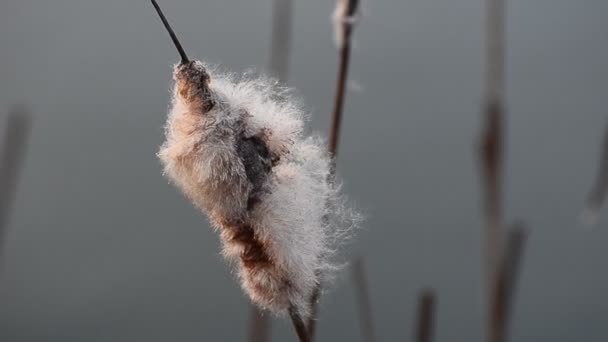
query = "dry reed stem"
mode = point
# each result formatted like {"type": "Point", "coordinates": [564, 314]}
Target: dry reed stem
{"type": "Point", "coordinates": [334, 134]}
{"type": "Point", "coordinates": [11, 160]}
{"type": "Point", "coordinates": [314, 312]}
{"type": "Point", "coordinates": [597, 195]}
{"type": "Point", "coordinates": [281, 39]}
{"type": "Point", "coordinates": [336, 122]}
{"type": "Point", "coordinates": [501, 270]}
{"type": "Point", "coordinates": [507, 277]}
{"type": "Point", "coordinates": [299, 325]}
{"type": "Point", "coordinates": [491, 160]}
{"type": "Point", "coordinates": [259, 325]}
{"type": "Point", "coordinates": [491, 155]}
{"type": "Point", "coordinates": [363, 300]}
{"type": "Point", "coordinates": [426, 316]}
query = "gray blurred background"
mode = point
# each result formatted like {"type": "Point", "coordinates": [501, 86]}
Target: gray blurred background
{"type": "Point", "coordinates": [101, 248]}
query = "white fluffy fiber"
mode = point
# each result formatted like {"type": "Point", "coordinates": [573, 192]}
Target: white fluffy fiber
{"type": "Point", "coordinates": [303, 216]}
{"type": "Point", "coordinates": [295, 215]}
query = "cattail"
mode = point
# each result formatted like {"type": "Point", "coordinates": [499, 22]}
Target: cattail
{"type": "Point", "coordinates": [235, 147]}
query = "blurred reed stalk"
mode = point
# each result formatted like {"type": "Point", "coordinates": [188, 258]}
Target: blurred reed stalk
{"type": "Point", "coordinates": [363, 300]}
{"type": "Point", "coordinates": [11, 160]}
{"type": "Point", "coordinates": [345, 12]}
{"type": "Point", "coordinates": [491, 156]}
{"type": "Point", "coordinates": [279, 68]}
{"type": "Point", "coordinates": [508, 272]}
{"type": "Point", "coordinates": [597, 195]}
{"type": "Point", "coordinates": [259, 325]}
{"type": "Point", "coordinates": [281, 38]}
{"type": "Point", "coordinates": [501, 269]}
{"type": "Point", "coordinates": [491, 149]}
{"type": "Point", "coordinates": [426, 316]}
{"type": "Point", "coordinates": [344, 16]}
{"type": "Point", "coordinates": [314, 312]}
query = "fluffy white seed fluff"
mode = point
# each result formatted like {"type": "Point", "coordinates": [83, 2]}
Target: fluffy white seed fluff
{"type": "Point", "coordinates": [299, 221]}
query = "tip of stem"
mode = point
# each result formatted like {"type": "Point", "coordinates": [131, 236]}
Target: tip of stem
{"type": "Point", "coordinates": [176, 42]}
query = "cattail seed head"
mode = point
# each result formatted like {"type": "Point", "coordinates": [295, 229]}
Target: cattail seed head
{"type": "Point", "coordinates": [265, 187]}
{"type": "Point", "coordinates": [234, 145]}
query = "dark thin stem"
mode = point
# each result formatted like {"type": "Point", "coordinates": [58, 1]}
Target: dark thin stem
{"type": "Point", "coordinates": [426, 316]}
{"type": "Point", "coordinates": [507, 278]}
{"type": "Point", "coordinates": [491, 160]}
{"type": "Point", "coordinates": [259, 326]}
{"type": "Point", "coordinates": [334, 133]}
{"type": "Point", "coordinates": [363, 300]}
{"type": "Point", "coordinates": [314, 311]}
{"type": "Point", "coordinates": [512, 262]}
{"type": "Point", "coordinates": [281, 38]}
{"type": "Point", "coordinates": [299, 325]}
{"type": "Point", "coordinates": [597, 195]}
{"type": "Point", "coordinates": [176, 42]}
{"type": "Point", "coordinates": [11, 160]}
{"type": "Point", "coordinates": [491, 155]}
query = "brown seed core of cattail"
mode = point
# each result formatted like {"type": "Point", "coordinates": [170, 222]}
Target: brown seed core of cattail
{"type": "Point", "coordinates": [254, 252]}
